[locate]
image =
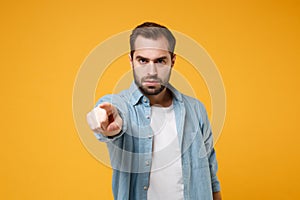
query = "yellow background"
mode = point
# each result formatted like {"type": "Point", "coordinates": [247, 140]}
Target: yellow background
{"type": "Point", "coordinates": [43, 43]}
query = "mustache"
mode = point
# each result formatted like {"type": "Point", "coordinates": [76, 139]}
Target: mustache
{"type": "Point", "coordinates": [153, 78]}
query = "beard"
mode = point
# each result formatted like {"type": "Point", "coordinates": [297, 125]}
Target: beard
{"type": "Point", "coordinates": [150, 90]}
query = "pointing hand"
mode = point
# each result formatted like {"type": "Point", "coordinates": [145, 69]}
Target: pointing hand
{"type": "Point", "coordinates": [105, 119]}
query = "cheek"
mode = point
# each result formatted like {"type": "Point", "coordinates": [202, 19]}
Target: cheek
{"type": "Point", "coordinates": [164, 72]}
{"type": "Point", "coordinates": [140, 71]}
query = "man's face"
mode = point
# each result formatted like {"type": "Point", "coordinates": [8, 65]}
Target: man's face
{"type": "Point", "coordinates": [152, 64]}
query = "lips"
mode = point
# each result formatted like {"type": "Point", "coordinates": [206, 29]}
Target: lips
{"type": "Point", "coordinates": [151, 83]}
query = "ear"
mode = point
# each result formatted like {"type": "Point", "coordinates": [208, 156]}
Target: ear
{"type": "Point", "coordinates": [130, 60]}
{"type": "Point", "coordinates": [173, 59]}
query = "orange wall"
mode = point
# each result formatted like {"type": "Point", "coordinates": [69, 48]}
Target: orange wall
{"type": "Point", "coordinates": [43, 44]}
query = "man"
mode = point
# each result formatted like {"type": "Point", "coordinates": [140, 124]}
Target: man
{"type": "Point", "coordinates": [159, 140]}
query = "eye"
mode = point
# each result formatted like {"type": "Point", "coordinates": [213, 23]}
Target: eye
{"type": "Point", "coordinates": [161, 61]}
{"type": "Point", "coordinates": [142, 60]}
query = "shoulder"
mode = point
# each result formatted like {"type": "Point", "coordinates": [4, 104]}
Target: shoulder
{"type": "Point", "coordinates": [116, 99]}
{"type": "Point", "coordinates": [193, 102]}
{"type": "Point", "coordinates": [195, 108]}
{"type": "Point", "coordinates": [189, 102]}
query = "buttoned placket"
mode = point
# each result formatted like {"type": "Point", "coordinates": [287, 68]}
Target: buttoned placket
{"type": "Point", "coordinates": [149, 135]}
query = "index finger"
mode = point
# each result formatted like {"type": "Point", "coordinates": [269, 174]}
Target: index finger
{"type": "Point", "coordinates": [108, 107]}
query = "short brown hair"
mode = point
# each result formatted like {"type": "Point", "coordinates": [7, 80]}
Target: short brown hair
{"type": "Point", "coordinates": [154, 31]}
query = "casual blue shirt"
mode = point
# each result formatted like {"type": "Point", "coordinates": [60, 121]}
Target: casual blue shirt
{"type": "Point", "coordinates": [131, 150]}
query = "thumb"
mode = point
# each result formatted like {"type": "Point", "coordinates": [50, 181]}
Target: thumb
{"type": "Point", "coordinates": [114, 126]}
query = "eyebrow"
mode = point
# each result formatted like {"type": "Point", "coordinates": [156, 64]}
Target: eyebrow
{"type": "Point", "coordinates": [160, 58]}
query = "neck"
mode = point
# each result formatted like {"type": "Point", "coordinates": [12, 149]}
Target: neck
{"type": "Point", "coordinates": [164, 98]}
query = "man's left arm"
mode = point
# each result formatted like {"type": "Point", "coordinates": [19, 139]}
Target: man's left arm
{"type": "Point", "coordinates": [211, 155]}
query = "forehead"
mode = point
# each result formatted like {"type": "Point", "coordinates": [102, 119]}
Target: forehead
{"type": "Point", "coordinates": [146, 43]}
{"type": "Point", "coordinates": [151, 48]}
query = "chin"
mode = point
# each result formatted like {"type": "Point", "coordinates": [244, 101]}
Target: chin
{"type": "Point", "coordinates": [152, 91]}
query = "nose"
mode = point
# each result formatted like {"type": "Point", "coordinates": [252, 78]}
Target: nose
{"type": "Point", "coordinates": [152, 69]}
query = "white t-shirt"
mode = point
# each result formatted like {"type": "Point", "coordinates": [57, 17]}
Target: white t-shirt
{"type": "Point", "coordinates": [166, 181]}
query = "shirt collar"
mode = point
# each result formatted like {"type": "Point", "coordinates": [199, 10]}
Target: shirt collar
{"type": "Point", "coordinates": [136, 94]}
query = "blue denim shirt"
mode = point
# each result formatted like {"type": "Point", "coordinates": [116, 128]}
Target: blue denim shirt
{"type": "Point", "coordinates": [131, 150]}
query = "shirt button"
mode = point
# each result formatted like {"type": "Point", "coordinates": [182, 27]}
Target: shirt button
{"type": "Point", "coordinates": [145, 100]}
{"type": "Point", "coordinates": [149, 136]}
{"type": "Point", "coordinates": [148, 116]}
{"type": "Point", "coordinates": [147, 163]}
{"type": "Point", "coordinates": [145, 188]}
